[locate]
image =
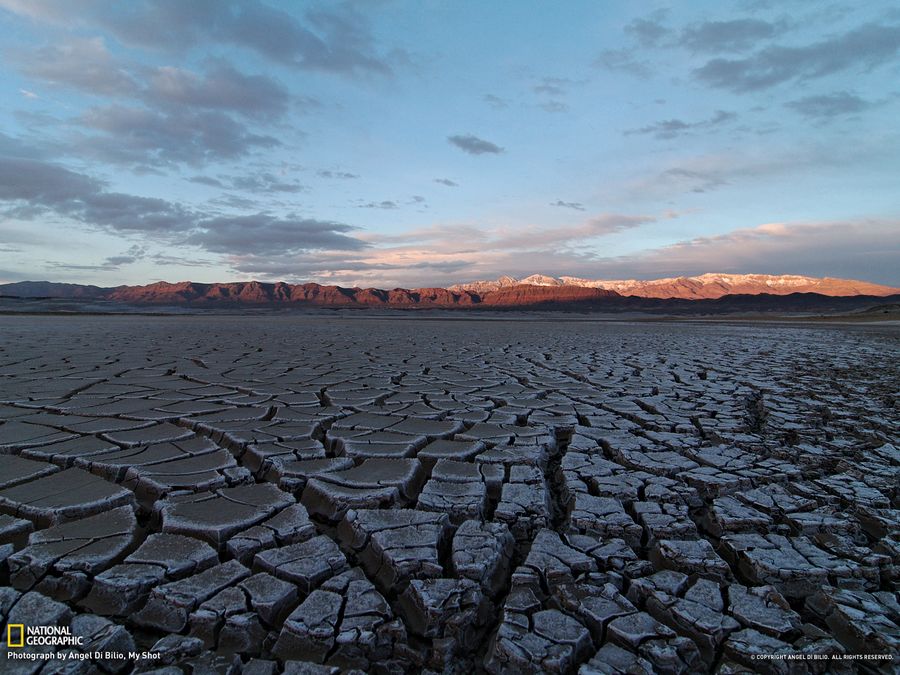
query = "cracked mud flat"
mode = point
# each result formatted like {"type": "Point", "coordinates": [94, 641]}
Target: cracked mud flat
{"type": "Point", "coordinates": [320, 495]}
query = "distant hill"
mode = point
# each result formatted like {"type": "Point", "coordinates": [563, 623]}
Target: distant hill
{"type": "Point", "coordinates": [50, 289]}
{"type": "Point", "coordinates": [563, 296]}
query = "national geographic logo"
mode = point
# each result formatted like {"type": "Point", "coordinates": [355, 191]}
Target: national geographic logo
{"type": "Point", "coordinates": [17, 630]}
{"type": "Point", "coordinates": [18, 636]}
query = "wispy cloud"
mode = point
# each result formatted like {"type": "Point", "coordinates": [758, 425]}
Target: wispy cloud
{"type": "Point", "coordinates": [110, 263]}
{"type": "Point", "coordinates": [85, 64]}
{"type": "Point", "coordinates": [341, 175]}
{"type": "Point", "coordinates": [473, 145]}
{"type": "Point", "coordinates": [384, 204]}
{"type": "Point", "coordinates": [732, 35]}
{"type": "Point", "coordinates": [829, 106]}
{"type": "Point", "coordinates": [568, 205]}
{"type": "Point", "coordinates": [553, 86]}
{"type": "Point", "coordinates": [649, 30]}
{"type": "Point", "coordinates": [672, 128]}
{"type": "Point", "coordinates": [182, 261]}
{"type": "Point", "coordinates": [141, 137]}
{"type": "Point", "coordinates": [624, 61]}
{"type": "Point", "coordinates": [495, 102]}
{"type": "Point", "coordinates": [691, 180]}
{"type": "Point", "coordinates": [220, 87]}
{"type": "Point", "coordinates": [468, 238]}
{"type": "Point", "coordinates": [554, 106]}
{"type": "Point", "coordinates": [862, 48]}
{"type": "Point", "coordinates": [334, 39]}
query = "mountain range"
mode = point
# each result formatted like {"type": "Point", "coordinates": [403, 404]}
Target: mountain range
{"type": "Point", "coordinates": [705, 286]}
{"type": "Point", "coordinates": [716, 292]}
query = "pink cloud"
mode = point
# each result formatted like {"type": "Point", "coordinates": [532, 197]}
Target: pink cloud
{"type": "Point", "coordinates": [864, 249]}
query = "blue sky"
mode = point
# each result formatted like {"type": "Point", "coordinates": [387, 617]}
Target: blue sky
{"type": "Point", "coordinates": [386, 143]}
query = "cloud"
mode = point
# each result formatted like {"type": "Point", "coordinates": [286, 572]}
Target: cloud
{"type": "Point", "coordinates": [466, 238]}
{"type": "Point", "coordinates": [131, 213]}
{"type": "Point", "coordinates": [689, 180]}
{"type": "Point", "coordinates": [221, 87]}
{"type": "Point", "coordinates": [207, 180]}
{"type": "Point", "coordinates": [73, 267]}
{"type": "Point", "coordinates": [412, 266]}
{"type": "Point", "coordinates": [446, 181]}
{"type": "Point", "coordinates": [118, 260]}
{"type": "Point", "coordinates": [132, 255]}
{"type": "Point", "coordinates": [161, 116]}
{"type": "Point", "coordinates": [137, 136]}
{"type": "Point", "coordinates": [80, 63]}
{"type": "Point", "coordinates": [857, 249]}
{"type": "Point", "coordinates": [862, 48]}
{"type": "Point", "coordinates": [29, 180]}
{"type": "Point", "coordinates": [473, 145]}
{"type": "Point", "coordinates": [336, 39]}
{"type": "Point", "coordinates": [648, 31]}
{"type": "Point", "coordinates": [109, 264]}
{"type": "Point", "coordinates": [443, 254]}
{"type": "Point", "coordinates": [623, 60]}
{"type": "Point", "coordinates": [386, 204]}
{"type": "Point", "coordinates": [568, 205]}
{"type": "Point", "coordinates": [827, 106]}
{"type": "Point", "coordinates": [33, 188]}
{"type": "Point", "coordinates": [48, 10]}
{"type": "Point", "coordinates": [863, 249]}
{"type": "Point", "coordinates": [554, 106]}
{"type": "Point", "coordinates": [264, 182]}
{"type": "Point", "coordinates": [263, 234]}
{"type": "Point", "coordinates": [553, 86]}
{"type": "Point", "coordinates": [344, 175]}
{"type": "Point", "coordinates": [236, 202]}
{"type": "Point", "coordinates": [348, 270]}
{"type": "Point", "coordinates": [163, 259]}
{"type": "Point", "coordinates": [495, 102]}
{"type": "Point", "coordinates": [761, 165]}
{"type": "Point", "coordinates": [539, 236]}
{"type": "Point", "coordinates": [734, 35]}
{"type": "Point", "coordinates": [667, 129]}
{"type": "Point", "coordinates": [15, 147]}
{"type": "Point", "coordinates": [28, 94]}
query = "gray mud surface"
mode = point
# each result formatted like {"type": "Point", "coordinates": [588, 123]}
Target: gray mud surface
{"type": "Point", "coordinates": [316, 494]}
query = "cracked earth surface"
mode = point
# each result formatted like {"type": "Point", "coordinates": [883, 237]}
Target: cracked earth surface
{"type": "Point", "coordinates": [319, 495]}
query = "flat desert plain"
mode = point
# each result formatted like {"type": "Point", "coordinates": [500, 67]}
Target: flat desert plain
{"type": "Point", "coordinates": [304, 494]}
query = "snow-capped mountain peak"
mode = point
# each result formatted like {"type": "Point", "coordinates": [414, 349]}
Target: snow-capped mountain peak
{"type": "Point", "coordinates": [708, 285]}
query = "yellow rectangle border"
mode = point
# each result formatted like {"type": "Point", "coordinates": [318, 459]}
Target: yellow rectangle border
{"type": "Point", "coordinates": [9, 634]}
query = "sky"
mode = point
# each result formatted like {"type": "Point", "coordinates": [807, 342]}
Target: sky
{"type": "Point", "coordinates": [423, 143]}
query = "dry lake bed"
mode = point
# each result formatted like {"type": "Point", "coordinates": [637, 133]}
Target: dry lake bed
{"type": "Point", "coordinates": [315, 494]}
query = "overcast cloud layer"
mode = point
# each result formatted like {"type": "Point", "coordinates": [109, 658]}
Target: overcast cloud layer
{"type": "Point", "coordinates": [399, 144]}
